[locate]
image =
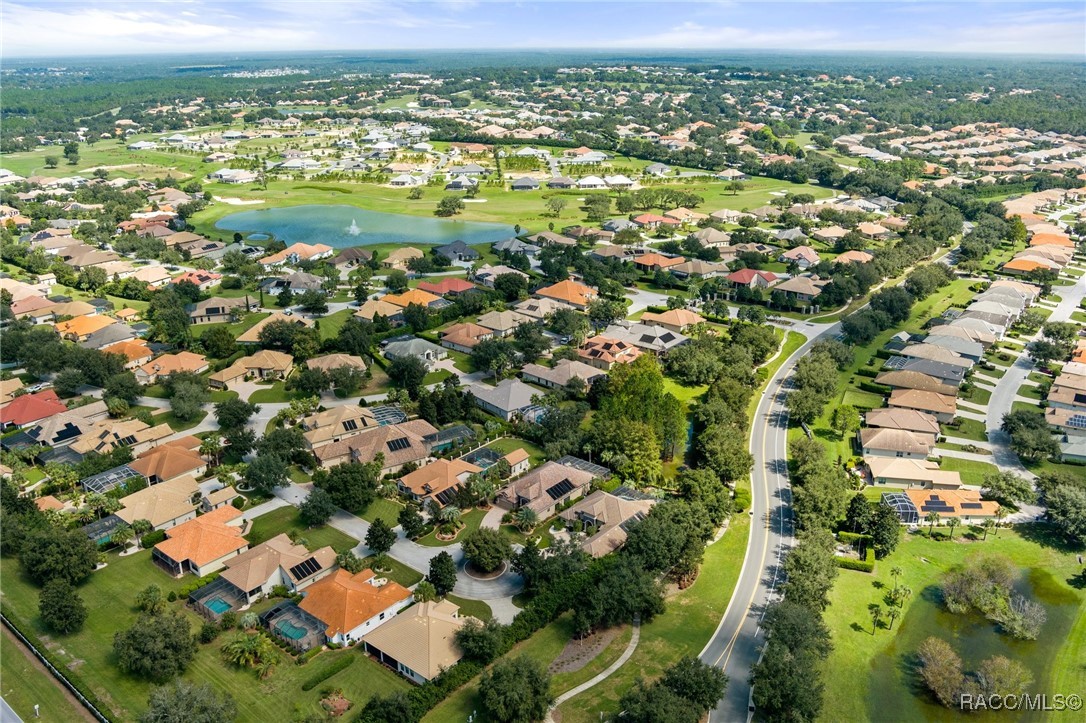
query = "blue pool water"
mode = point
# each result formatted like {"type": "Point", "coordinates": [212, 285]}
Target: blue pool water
{"type": "Point", "coordinates": [346, 226]}
{"type": "Point", "coordinates": [217, 605]}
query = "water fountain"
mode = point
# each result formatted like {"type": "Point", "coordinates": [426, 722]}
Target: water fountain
{"type": "Point", "coordinates": [353, 228]}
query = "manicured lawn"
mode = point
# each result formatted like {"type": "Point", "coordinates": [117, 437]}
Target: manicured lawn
{"type": "Point", "coordinates": [1030, 392]}
{"type": "Point", "coordinates": [384, 509]}
{"type": "Point", "coordinates": [397, 571]}
{"type": "Point", "coordinates": [879, 678]}
{"type": "Point", "coordinates": [472, 608]}
{"type": "Point", "coordinates": [286, 519]}
{"type": "Point", "coordinates": [24, 686]}
{"type": "Point", "coordinates": [34, 474]}
{"type": "Point", "coordinates": [176, 424]}
{"type": "Point", "coordinates": [962, 448]}
{"type": "Point", "coordinates": [331, 324]}
{"type": "Point", "coordinates": [968, 429]}
{"type": "Point", "coordinates": [273, 394]}
{"type": "Point", "coordinates": [436, 377]}
{"type": "Point", "coordinates": [971, 471]}
{"type": "Point", "coordinates": [237, 329]}
{"type": "Point", "coordinates": [469, 522]}
{"type": "Point", "coordinates": [508, 444]}
{"type": "Point", "coordinates": [691, 618]}
{"type": "Point", "coordinates": [977, 395]}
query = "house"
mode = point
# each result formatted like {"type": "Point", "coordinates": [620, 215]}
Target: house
{"type": "Point", "coordinates": [154, 276]}
{"type": "Point", "coordinates": [457, 251]}
{"type": "Point", "coordinates": [545, 488]}
{"type": "Point", "coordinates": [164, 505]}
{"type": "Point", "coordinates": [203, 280]}
{"type": "Point", "coordinates": [854, 257]}
{"type": "Point", "coordinates": [276, 562]}
{"type": "Point", "coordinates": [217, 310]}
{"type": "Point", "coordinates": [461, 183]}
{"type": "Point", "coordinates": [488, 274]}
{"type": "Point", "coordinates": [570, 292]}
{"type": "Point", "coordinates": [398, 258]}
{"type": "Point", "coordinates": [963, 347]}
{"type": "Point", "coordinates": [30, 408]}
{"type": "Point", "coordinates": [509, 399]}
{"type": "Point", "coordinates": [167, 462]}
{"type": "Point", "coordinates": [550, 238]}
{"type": "Point", "coordinates": [881, 442]}
{"type": "Point", "coordinates": [1067, 420]}
{"type": "Point", "coordinates": [603, 352]}
{"type": "Point", "coordinates": [450, 286]}
{"type": "Point", "coordinates": [336, 424]}
{"type": "Point", "coordinates": [540, 309]}
{"type": "Point", "coordinates": [350, 606]}
{"type": "Point", "coordinates": [911, 473]}
{"type": "Point", "coordinates": [564, 371]}
{"type": "Point", "coordinates": [328, 362]}
{"type": "Point", "coordinates": [465, 336]}
{"type": "Point", "coordinates": [874, 230]}
{"type": "Point", "coordinates": [656, 339]}
{"type": "Point", "coordinates": [984, 338]}
{"type": "Point", "coordinates": [751, 278]}
{"type": "Point", "coordinates": [803, 256]}
{"type": "Point", "coordinates": [699, 269]}
{"type": "Point", "coordinates": [652, 262]}
{"type": "Point", "coordinates": [677, 320]}
{"type": "Point", "coordinates": [298, 282]}
{"type": "Point", "coordinates": [897, 379]}
{"type": "Point", "coordinates": [931, 352]}
{"type": "Point", "coordinates": [940, 406]}
{"type": "Point", "coordinates": [519, 461]}
{"type": "Point", "coordinates": [606, 517]}
{"type": "Point", "coordinates": [561, 182]}
{"type": "Point", "coordinates": [252, 334]}
{"type": "Point", "coordinates": [421, 349]}
{"type": "Point", "coordinates": [802, 288]}
{"type": "Point", "coordinates": [202, 545]}
{"type": "Point", "coordinates": [685, 215]}
{"type": "Point", "coordinates": [373, 308]}
{"type": "Point", "coordinates": [81, 327]}
{"type": "Point", "coordinates": [167, 364]}
{"type": "Point", "coordinates": [830, 234]}
{"type": "Point", "coordinates": [1068, 391]}
{"type": "Point", "coordinates": [504, 323]}
{"type": "Point", "coordinates": [264, 364]}
{"type": "Point", "coordinates": [948, 373]}
{"type": "Point", "coordinates": [349, 258]}
{"type": "Point", "coordinates": [438, 481]}
{"type": "Point", "coordinates": [591, 183]}
{"type": "Point", "coordinates": [8, 388]}
{"type": "Point", "coordinates": [398, 444]}
{"type": "Point", "coordinates": [297, 252]}
{"type": "Point", "coordinates": [516, 246]}
{"type": "Point", "coordinates": [965, 504]}
{"type": "Point", "coordinates": [524, 183]}
{"type": "Point", "coordinates": [419, 643]}
{"type": "Point", "coordinates": [104, 436]}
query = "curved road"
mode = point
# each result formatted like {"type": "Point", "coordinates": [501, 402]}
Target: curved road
{"type": "Point", "coordinates": [736, 644]}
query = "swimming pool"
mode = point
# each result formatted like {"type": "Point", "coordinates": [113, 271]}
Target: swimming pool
{"type": "Point", "coordinates": [289, 630]}
{"type": "Point", "coordinates": [217, 605]}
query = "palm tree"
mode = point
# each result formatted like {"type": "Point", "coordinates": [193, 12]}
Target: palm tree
{"type": "Point", "coordinates": [876, 615]}
{"type": "Point", "coordinates": [952, 523]}
{"type": "Point", "coordinates": [895, 572]}
{"type": "Point", "coordinates": [893, 616]}
{"type": "Point", "coordinates": [1000, 513]}
{"type": "Point", "coordinates": [450, 515]}
{"type": "Point", "coordinates": [526, 519]}
{"type": "Point", "coordinates": [933, 519]}
{"type": "Point", "coordinates": [988, 526]}
{"type": "Point", "coordinates": [211, 447]}
{"type": "Point", "coordinates": [122, 536]}
{"type": "Point", "coordinates": [251, 651]}
{"type": "Point", "coordinates": [904, 594]}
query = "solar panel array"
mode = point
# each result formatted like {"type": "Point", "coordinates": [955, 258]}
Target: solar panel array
{"type": "Point", "coordinates": [446, 496]}
{"type": "Point", "coordinates": [561, 489]}
{"type": "Point", "coordinates": [1078, 421]}
{"type": "Point", "coordinates": [936, 504]}
{"type": "Point", "coordinates": [395, 445]}
{"type": "Point", "coordinates": [304, 569]}
{"type": "Point", "coordinates": [350, 425]}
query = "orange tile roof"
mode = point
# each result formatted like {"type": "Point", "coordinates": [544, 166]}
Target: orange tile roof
{"type": "Point", "coordinates": [182, 361]}
{"type": "Point", "coordinates": [411, 296]}
{"type": "Point", "coordinates": [167, 461]}
{"type": "Point", "coordinates": [953, 499]}
{"type": "Point", "coordinates": [438, 476]}
{"type": "Point", "coordinates": [652, 259]}
{"type": "Point", "coordinates": [570, 292]}
{"type": "Point", "coordinates": [343, 601]}
{"type": "Point", "coordinates": [84, 325]}
{"type": "Point", "coordinates": [1051, 239]}
{"type": "Point", "coordinates": [131, 350]}
{"type": "Point", "coordinates": [205, 539]}
{"type": "Point", "coordinates": [1023, 265]}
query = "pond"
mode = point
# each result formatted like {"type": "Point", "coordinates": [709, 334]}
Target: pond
{"type": "Point", "coordinates": [896, 693]}
{"type": "Point", "coordinates": [345, 226]}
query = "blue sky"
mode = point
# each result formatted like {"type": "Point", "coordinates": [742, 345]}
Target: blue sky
{"type": "Point", "coordinates": [87, 27]}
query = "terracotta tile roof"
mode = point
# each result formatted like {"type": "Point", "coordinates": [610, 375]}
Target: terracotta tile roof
{"type": "Point", "coordinates": [925, 500]}
{"type": "Point", "coordinates": [569, 291]}
{"type": "Point", "coordinates": [466, 335]}
{"type": "Point", "coordinates": [343, 601]}
{"type": "Point", "coordinates": [166, 462]}
{"type": "Point", "coordinates": [182, 361]}
{"type": "Point", "coordinates": [446, 286]}
{"type": "Point", "coordinates": [205, 539]}
{"type": "Point", "coordinates": [746, 276]}
{"type": "Point", "coordinates": [608, 351]}
{"type": "Point", "coordinates": [32, 407]}
{"type": "Point", "coordinates": [411, 296]}
{"type": "Point", "coordinates": [81, 326]}
{"type": "Point", "coordinates": [438, 476]}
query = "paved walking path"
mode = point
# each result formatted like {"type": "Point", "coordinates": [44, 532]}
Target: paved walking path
{"type": "Point", "coordinates": [967, 455]}
{"type": "Point", "coordinates": [626, 655]}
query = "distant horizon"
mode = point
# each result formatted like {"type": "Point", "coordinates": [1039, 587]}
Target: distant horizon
{"type": "Point", "coordinates": [98, 28]}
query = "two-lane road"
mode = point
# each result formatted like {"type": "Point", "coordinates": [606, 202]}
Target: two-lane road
{"type": "Point", "coordinates": [736, 645]}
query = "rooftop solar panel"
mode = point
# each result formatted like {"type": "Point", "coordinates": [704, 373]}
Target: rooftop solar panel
{"type": "Point", "coordinates": [446, 496]}
{"type": "Point", "coordinates": [562, 488]}
{"type": "Point", "coordinates": [971, 506]}
{"type": "Point", "coordinates": [304, 569]}
{"type": "Point", "coordinates": [395, 445]}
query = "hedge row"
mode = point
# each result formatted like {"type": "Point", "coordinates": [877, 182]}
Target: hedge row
{"type": "Point", "coordinates": [152, 538]}
{"type": "Point", "coordinates": [870, 373]}
{"type": "Point", "coordinates": [196, 584]}
{"type": "Point", "coordinates": [865, 565]}
{"type": "Point", "coordinates": [328, 671]}
{"type": "Point", "coordinates": [880, 389]}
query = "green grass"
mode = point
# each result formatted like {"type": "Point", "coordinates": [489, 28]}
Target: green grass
{"type": "Point", "coordinates": [472, 608]}
{"type": "Point", "coordinates": [34, 475]}
{"type": "Point", "coordinates": [691, 618]}
{"type": "Point", "coordinates": [331, 324]}
{"type": "Point", "coordinates": [1030, 392]}
{"type": "Point", "coordinates": [469, 523]}
{"type": "Point", "coordinates": [286, 519]}
{"type": "Point", "coordinates": [508, 444]}
{"type": "Point", "coordinates": [176, 424]}
{"type": "Point", "coordinates": [972, 472]}
{"type": "Point", "coordinates": [962, 448]}
{"type": "Point", "coordinates": [397, 571]}
{"type": "Point", "coordinates": [383, 509]}
{"type": "Point", "coordinates": [968, 429]}
{"type": "Point", "coordinates": [24, 686]}
{"type": "Point", "coordinates": [237, 328]}
{"type": "Point", "coordinates": [276, 393]}
{"type": "Point", "coordinates": [852, 689]}
{"type": "Point", "coordinates": [436, 377]}
{"type": "Point", "coordinates": [977, 395]}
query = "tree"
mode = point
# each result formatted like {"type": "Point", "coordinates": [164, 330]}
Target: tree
{"type": "Point", "coordinates": [1067, 510]}
{"type": "Point", "coordinates": [313, 302]}
{"type": "Point", "coordinates": [810, 569]}
{"type": "Point", "coordinates": [487, 549]}
{"type": "Point", "coordinates": [285, 297]}
{"type": "Point", "coordinates": [859, 514]}
{"type": "Point", "coordinates": [68, 381]}
{"type": "Point", "coordinates": [49, 553]}
{"type": "Point", "coordinates": [407, 372]}
{"type": "Point", "coordinates": [380, 537]}
{"type": "Point", "coordinates": [653, 703]}
{"type": "Point", "coordinates": [234, 413]}
{"type": "Point", "coordinates": [846, 420]}
{"type": "Point", "coordinates": [151, 600]}
{"type": "Point", "coordinates": [941, 670]}
{"type": "Point", "coordinates": [352, 486]}
{"type": "Point", "coordinates": [511, 286]}
{"type": "Point", "coordinates": [187, 400]}
{"type": "Point", "coordinates": [185, 702]}
{"type": "Point", "coordinates": [449, 206]}
{"type": "Point", "coordinates": [555, 204]}
{"type": "Point", "coordinates": [156, 647]}
{"type": "Point", "coordinates": [396, 281]}
{"type": "Point", "coordinates": [123, 386]}
{"type": "Point", "coordinates": [310, 382]}
{"type": "Point", "coordinates": [251, 650]}
{"type": "Point", "coordinates": [317, 508]}
{"type": "Point", "coordinates": [1044, 351]}
{"type": "Point", "coordinates": [876, 615]}
{"type": "Point", "coordinates": [92, 278]}
{"type": "Point", "coordinates": [1007, 488]}
{"type": "Point", "coordinates": [442, 573]}
{"type": "Point", "coordinates": [526, 519]}
{"type": "Point", "coordinates": [481, 642]}
{"type": "Point", "coordinates": [411, 521]}
{"type": "Point", "coordinates": [61, 609]}
{"type": "Point", "coordinates": [266, 472]}
{"type": "Point", "coordinates": [51, 161]}
{"type": "Point", "coordinates": [493, 356]}
{"type": "Point", "coordinates": [932, 518]}
{"type": "Point", "coordinates": [516, 690]}
{"type": "Point", "coordinates": [786, 684]}
{"type": "Point", "coordinates": [701, 684]}
{"type": "Point", "coordinates": [1002, 676]}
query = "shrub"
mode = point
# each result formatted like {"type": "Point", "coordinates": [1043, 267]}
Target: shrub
{"type": "Point", "coordinates": [208, 632]}
{"type": "Point", "coordinates": [742, 499]}
{"type": "Point", "coordinates": [172, 597]}
{"type": "Point", "coordinates": [328, 671]}
{"type": "Point", "coordinates": [865, 565]}
{"type": "Point", "coordinates": [152, 538]}
{"type": "Point", "coordinates": [238, 503]}
{"type": "Point", "coordinates": [229, 620]}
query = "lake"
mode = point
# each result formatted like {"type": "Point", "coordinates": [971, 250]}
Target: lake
{"type": "Point", "coordinates": [346, 226]}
